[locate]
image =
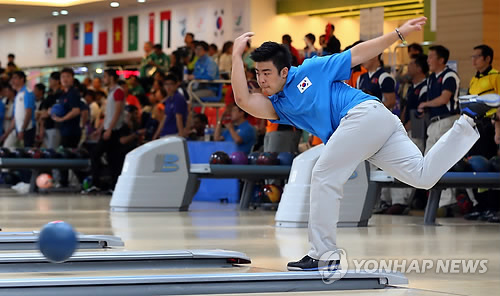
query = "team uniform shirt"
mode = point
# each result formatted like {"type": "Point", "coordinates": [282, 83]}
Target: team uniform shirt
{"type": "Point", "coordinates": [436, 83]}
{"type": "Point", "coordinates": [487, 82]}
{"type": "Point", "coordinates": [24, 100]}
{"type": "Point", "coordinates": [70, 100]}
{"type": "Point", "coordinates": [46, 104]}
{"type": "Point", "coordinates": [2, 115]}
{"type": "Point", "coordinates": [205, 68]}
{"type": "Point", "coordinates": [417, 93]}
{"type": "Point", "coordinates": [377, 83]}
{"type": "Point", "coordinates": [116, 94]}
{"type": "Point", "coordinates": [247, 134]}
{"type": "Point", "coordinates": [174, 105]}
{"type": "Point", "coordinates": [315, 98]}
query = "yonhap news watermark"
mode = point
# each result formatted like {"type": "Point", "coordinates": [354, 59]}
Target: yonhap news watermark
{"type": "Point", "coordinates": [441, 266]}
{"type": "Point", "coordinates": [334, 265]}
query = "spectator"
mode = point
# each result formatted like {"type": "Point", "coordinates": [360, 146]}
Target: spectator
{"type": "Point", "coordinates": [11, 60]}
{"type": "Point", "coordinates": [205, 69]}
{"type": "Point", "coordinates": [69, 123]}
{"type": "Point", "coordinates": [145, 67]}
{"type": "Point", "coordinates": [486, 81]}
{"type": "Point", "coordinates": [213, 51]}
{"type": "Point", "coordinates": [39, 93]}
{"type": "Point", "coordinates": [87, 82]}
{"type": "Point", "coordinates": [417, 93]}
{"type": "Point", "coordinates": [238, 130]}
{"type": "Point", "coordinates": [190, 56]}
{"type": "Point", "coordinates": [109, 141]}
{"type": "Point", "coordinates": [357, 70]}
{"type": "Point", "coordinates": [310, 51]}
{"type": "Point", "coordinates": [197, 131]}
{"type": "Point", "coordinates": [94, 113]}
{"type": "Point", "coordinates": [96, 85]}
{"type": "Point", "coordinates": [225, 60]}
{"type": "Point", "coordinates": [2, 110]}
{"type": "Point", "coordinates": [379, 83]}
{"type": "Point", "coordinates": [24, 111]}
{"type": "Point", "coordinates": [136, 88]}
{"type": "Point", "coordinates": [442, 102]}
{"type": "Point", "coordinates": [287, 41]}
{"type": "Point", "coordinates": [11, 68]}
{"type": "Point", "coordinates": [130, 133]}
{"type": "Point", "coordinates": [322, 44]}
{"type": "Point", "coordinates": [332, 43]}
{"type": "Point", "coordinates": [130, 99]}
{"type": "Point", "coordinates": [156, 113]}
{"type": "Point", "coordinates": [176, 112]}
{"type": "Point", "coordinates": [415, 49]}
{"type": "Point", "coordinates": [159, 60]}
{"type": "Point", "coordinates": [10, 94]}
{"type": "Point", "coordinates": [249, 63]}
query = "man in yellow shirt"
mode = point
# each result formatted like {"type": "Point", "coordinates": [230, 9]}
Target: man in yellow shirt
{"type": "Point", "coordinates": [486, 81]}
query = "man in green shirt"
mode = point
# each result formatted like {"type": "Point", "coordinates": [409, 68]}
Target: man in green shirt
{"type": "Point", "coordinates": [146, 60]}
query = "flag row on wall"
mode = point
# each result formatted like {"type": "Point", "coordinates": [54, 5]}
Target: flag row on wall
{"type": "Point", "coordinates": [70, 35]}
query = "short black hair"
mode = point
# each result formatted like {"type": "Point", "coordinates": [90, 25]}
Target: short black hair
{"type": "Point", "coordinates": [171, 77]}
{"type": "Point", "coordinates": [274, 52]}
{"type": "Point", "coordinates": [311, 37]}
{"type": "Point", "coordinates": [121, 82]}
{"type": "Point", "coordinates": [20, 74]}
{"type": "Point", "coordinates": [190, 34]}
{"type": "Point", "coordinates": [213, 46]}
{"type": "Point", "coordinates": [202, 44]}
{"type": "Point", "coordinates": [441, 51]}
{"type": "Point", "coordinates": [286, 38]}
{"type": "Point", "coordinates": [68, 70]}
{"type": "Point", "coordinates": [55, 75]}
{"type": "Point", "coordinates": [421, 62]}
{"type": "Point", "coordinates": [41, 87]}
{"type": "Point", "coordinates": [90, 93]}
{"type": "Point", "coordinates": [112, 73]}
{"type": "Point", "coordinates": [202, 117]}
{"type": "Point", "coordinates": [416, 46]}
{"type": "Point", "coordinates": [163, 92]}
{"type": "Point", "coordinates": [11, 64]}
{"type": "Point", "coordinates": [11, 55]}
{"type": "Point", "coordinates": [486, 51]}
{"type": "Point", "coordinates": [100, 93]}
{"type": "Point", "coordinates": [227, 45]}
{"type": "Point", "coordinates": [157, 46]}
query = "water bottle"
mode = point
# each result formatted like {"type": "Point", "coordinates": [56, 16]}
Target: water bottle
{"type": "Point", "coordinates": [208, 133]}
{"type": "Point", "coordinates": [186, 73]}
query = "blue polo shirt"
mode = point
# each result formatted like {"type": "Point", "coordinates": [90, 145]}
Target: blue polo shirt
{"type": "Point", "coordinates": [436, 83]}
{"type": "Point", "coordinates": [315, 98]}
{"type": "Point", "coordinates": [70, 100]}
{"type": "Point", "coordinates": [24, 100]}
{"type": "Point", "coordinates": [174, 105]}
{"type": "Point", "coordinates": [247, 134]}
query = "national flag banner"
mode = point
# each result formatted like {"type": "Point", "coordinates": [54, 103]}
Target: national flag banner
{"type": "Point", "coordinates": [165, 26]}
{"type": "Point", "coordinates": [118, 35]}
{"type": "Point", "coordinates": [75, 40]}
{"type": "Point", "coordinates": [48, 43]}
{"type": "Point", "coordinates": [133, 33]}
{"type": "Point", "coordinates": [103, 43]}
{"type": "Point", "coordinates": [88, 39]}
{"type": "Point", "coordinates": [152, 27]}
{"type": "Point", "coordinates": [61, 41]}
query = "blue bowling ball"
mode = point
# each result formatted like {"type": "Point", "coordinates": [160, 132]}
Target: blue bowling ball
{"type": "Point", "coordinates": [57, 241]}
{"type": "Point", "coordinates": [285, 158]}
{"type": "Point", "coordinates": [57, 110]}
{"type": "Point", "coordinates": [479, 163]}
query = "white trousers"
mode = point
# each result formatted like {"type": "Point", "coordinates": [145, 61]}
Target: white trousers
{"type": "Point", "coordinates": [371, 132]}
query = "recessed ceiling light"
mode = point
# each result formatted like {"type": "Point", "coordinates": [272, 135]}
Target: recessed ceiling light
{"type": "Point", "coordinates": [64, 12]}
{"type": "Point", "coordinates": [12, 19]}
{"type": "Point", "coordinates": [55, 13]}
{"type": "Point", "coordinates": [141, 1]}
{"type": "Point", "coordinates": [114, 4]}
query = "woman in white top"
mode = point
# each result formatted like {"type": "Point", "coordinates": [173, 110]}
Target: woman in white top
{"type": "Point", "coordinates": [225, 60]}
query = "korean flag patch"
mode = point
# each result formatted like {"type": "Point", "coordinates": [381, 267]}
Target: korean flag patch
{"type": "Point", "coordinates": [304, 84]}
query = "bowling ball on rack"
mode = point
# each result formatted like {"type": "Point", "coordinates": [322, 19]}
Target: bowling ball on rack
{"type": "Point", "coordinates": [286, 158]}
{"type": "Point", "coordinates": [270, 194]}
{"type": "Point", "coordinates": [268, 158]}
{"type": "Point", "coordinates": [462, 166]}
{"type": "Point", "coordinates": [219, 157]}
{"type": "Point", "coordinates": [494, 164]}
{"type": "Point", "coordinates": [252, 157]}
{"type": "Point", "coordinates": [57, 241]}
{"type": "Point", "coordinates": [6, 153]}
{"type": "Point", "coordinates": [479, 163]}
{"type": "Point", "coordinates": [239, 157]}
{"type": "Point", "coordinates": [44, 181]}
{"type": "Point", "coordinates": [35, 153]}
